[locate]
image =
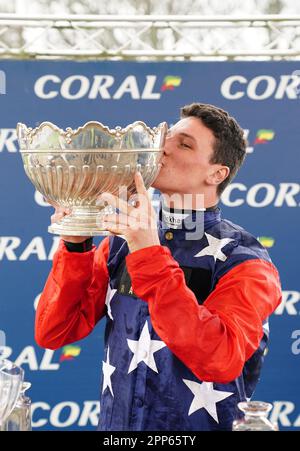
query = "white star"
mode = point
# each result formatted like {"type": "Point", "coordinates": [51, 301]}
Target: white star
{"type": "Point", "coordinates": [205, 397]}
{"type": "Point", "coordinates": [143, 350]}
{"type": "Point", "coordinates": [109, 295]}
{"type": "Point", "coordinates": [108, 370]}
{"type": "Point", "coordinates": [214, 247]}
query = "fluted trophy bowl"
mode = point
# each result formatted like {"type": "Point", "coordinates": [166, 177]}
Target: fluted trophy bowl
{"type": "Point", "coordinates": [71, 168]}
{"type": "Point", "coordinates": [11, 379]}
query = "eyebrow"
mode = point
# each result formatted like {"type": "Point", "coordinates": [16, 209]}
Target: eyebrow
{"type": "Point", "coordinates": [186, 135]}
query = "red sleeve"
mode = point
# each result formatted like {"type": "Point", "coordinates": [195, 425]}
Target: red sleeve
{"type": "Point", "coordinates": [215, 339]}
{"type": "Point", "coordinates": [73, 299]}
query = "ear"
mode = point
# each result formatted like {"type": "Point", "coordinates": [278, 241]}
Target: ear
{"type": "Point", "coordinates": [218, 174]}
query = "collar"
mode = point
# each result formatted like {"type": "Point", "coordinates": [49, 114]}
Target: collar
{"type": "Point", "coordinates": [172, 218]}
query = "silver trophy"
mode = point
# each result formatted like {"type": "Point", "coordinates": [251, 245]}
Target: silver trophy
{"type": "Point", "coordinates": [71, 168]}
{"type": "Point", "coordinates": [11, 379]}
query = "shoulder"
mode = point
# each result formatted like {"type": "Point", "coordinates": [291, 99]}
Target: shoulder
{"type": "Point", "coordinates": [239, 241]}
{"type": "Point", "coordinates": [242, 247]}
{"type": "Point", "coordinates": [245, 243]}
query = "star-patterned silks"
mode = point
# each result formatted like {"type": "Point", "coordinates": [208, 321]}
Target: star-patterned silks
{"type": "Point", "coordinates": [205, 396]}
{"type": "Point", "coordinates": [109, 295]}
{"type": "Point", "coordinates": [266, 328]}
{"type": "Point", "coordinates": [108, 370]}
{"type": "Point", "coordinates": [214, 248]}
{"type": "Point", "coordinates": [143, 350]}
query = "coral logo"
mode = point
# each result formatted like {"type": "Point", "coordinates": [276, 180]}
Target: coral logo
{"type": "Point", "coordinates": [65, 414]}
{"type": "Point", "coordinates": [105, 87]}
{"type": "Point", "coordinates": [69, 352]}
{"type": "Point", "coordinates": [261, 87]}
{"type": "Point", "coordinates": [263, 136]}
{"type": "Point", "coordinates": [262, 195]}
{"type": "Point", "coordinates": [266, 241]}
{"type": "Point", "coordinates": [170, 82]}
{"type": "Point", "coordinates": [31, 357]}
{"type": "Point", "coordinates": [285, 414]}
{"type": "Point", "coordinates": [36, 248]}
{"type": "Point", "coordinates": [101, 86]}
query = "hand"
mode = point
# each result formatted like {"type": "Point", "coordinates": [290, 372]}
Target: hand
{"type": "Point", "coordinates": [136, 223]}
{"type": "Point", "coordinates": [59, 213]}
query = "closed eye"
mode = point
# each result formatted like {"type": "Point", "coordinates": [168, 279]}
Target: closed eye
{"type": "Point", "coordinates": [183, 144]}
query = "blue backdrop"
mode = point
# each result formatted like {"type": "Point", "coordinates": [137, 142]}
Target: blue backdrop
{"type": "Point", "coordinates": [264, 198]}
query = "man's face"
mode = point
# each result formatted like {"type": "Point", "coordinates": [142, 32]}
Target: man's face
{"type": "Point", "coordinates": [186, 160]}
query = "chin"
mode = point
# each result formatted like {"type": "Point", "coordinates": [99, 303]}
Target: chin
{"type": "Point", "coordinates": [157, 182]}
{"type": "Point", "coordinates": [163, 188]}
{"type": "Point", "coordinates": [160, 185]}
{"type": "Point", "coordinates": [155, 185]}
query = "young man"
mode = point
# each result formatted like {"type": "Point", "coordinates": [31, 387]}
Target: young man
{"type": "Point", "coordinates": [186, 318]}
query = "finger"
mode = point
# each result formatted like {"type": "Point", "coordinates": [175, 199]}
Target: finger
{"type": "Point", "coordinates": [140, 201]}
{"type": "Point", "coordinates": [123, 222]}
{"type": "Point", "coordinates": [62, 210]}
{"type": "Point", "coordinates": [115, 229]}
{"type": "Point", "coordinates": [143, 196]}
{"type": "Point", "coordinates": [139, 183]}
{"type": "Point", "coordinates": [116, 219]}
{"type": "Point", "coordinates": [56, 217]}
{"type": "Point", "coordinates": [116, 202]}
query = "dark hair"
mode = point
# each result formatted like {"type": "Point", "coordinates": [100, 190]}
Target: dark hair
{"type": "Point", "coordinates": [230, 144]}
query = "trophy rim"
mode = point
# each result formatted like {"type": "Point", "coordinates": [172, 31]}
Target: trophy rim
{"type": "Point", "coordinates": [97, 150]}
{"type": "Point", "coordinates": [69, 132]}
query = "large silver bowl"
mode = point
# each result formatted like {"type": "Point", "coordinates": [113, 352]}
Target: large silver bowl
{"type": "Point", "coordinates": [71, 168]}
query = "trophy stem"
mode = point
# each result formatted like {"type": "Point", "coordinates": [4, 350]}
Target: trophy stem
{"type": "Point", "coordinates": [83, 221]}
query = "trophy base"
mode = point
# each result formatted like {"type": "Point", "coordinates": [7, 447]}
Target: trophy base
{"type": "Point", "coordinates": [83, 221]}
